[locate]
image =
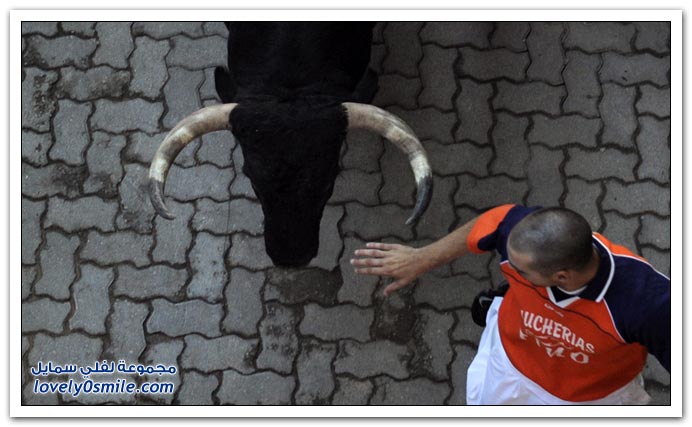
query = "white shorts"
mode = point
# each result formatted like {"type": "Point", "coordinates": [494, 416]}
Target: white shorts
{"type": "Point", "coordinates": [493, 380]}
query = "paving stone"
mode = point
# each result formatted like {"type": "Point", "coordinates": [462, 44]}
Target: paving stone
{"type": "Point", "coordinates": [243, 302]}
{"type": "Point", "coordinates": [57, 266]}
{"type": "Point", "coordinates": [81, 214]}
{"type": "Point", "coordinates": [279, 340]}
{"type": "Point", "coordinates": [92, 84]}
{"type": "Point", "coordinates": [136, 212]}
{"type": "Point", "coordinates": [583, 86]}
{"type": "Point", "coordinates": [85, 29]}
{"type": "Point", "coordinates": [186, 184]}
{"type": "Point", "coordinates": [299, 285]}
{"type": "Point", "coordinates": [653, 143]}
{"type": "Point", "coordinates": [352, 392]}
{"type": "Point", "coordinates": [124, 246]}
{"type": "Point", "coordinates": [181, 92]}
{"type": "Point", "coordinates": [619, 116]}
{"type": "Point", "coordinates": [529, 97]}
{"type": "Point", "coordinates": [545, 48]}
{"type": "Point", "coordinates": [363, 152]}
{"type": "Point", "coordinates": [366, 222]}
{"type": "Point", "coordinates": [636, 198]}
{"type": "Point", "coordinates": [486, 65]}
{"type": "Point", "coordinates": [149, 71]}
{"type": "Point", "coordinates": [35, 147]}
{"type": "Point", "coordinates": [655, 231]}
{"type": "Point", "coordinates": [658, 259]}
{"type": "Point", "coordinates": [91, 300]}
{"type": "Point", "coordinates": [330, 241]}
{"type": "Point", "coordinates": [43, 314]}
{"type": "Point", "coordinates": [228, 217]}
{"type": "Point", "coordinates": [462, 360]}
{"type": "Point", "coordinates": [38, 104]}
{"type": "Point", "coordinates": [595, 164]}
{"type": "Point", "coordinates": [150, 282]}
{"type": "Point", "coordinates": [437, 76]}
{"type": "Point", "coordinates": [370, 359]}
{"type": "Point", "coordinates": [353, 185]}
{"type": "Point", "coordinates": [545, 178]}
{"type": "Point", "coordinates": [197, 389]}
{"type": "Point", "coordinates": [599, 36]}
{"type": "Point", "coordinates": [476, 267]}
{"type": "Point", "coordinates": [31, 228]}
{"type": "Point", "coordinates": [462, 157]}
{"type": "Point", "coordinates": [652, 100]}
{"type": "Point", "coordinates": [208, 268]}
{"type": "Point", "coordinates": [241, 186]}
{"type": "Point", "coordinates": [428, 123]}
{"type": "Point", "coordinates": [439, 217]}
{"type": "Point", "coordinates": [356, 288]}
{"type": "Point", "coordinates": [404, 51]}
{"type": "Point", "coordinates": [510, 35]}
{"type": "Point", "coordinates": [450, 34]}
{"type": "Point", "coordinates": [173, 238]}
{"type": "Point", "coordinates": [465, 329]}
{"type": "Point", "coordinates": [511, 146]}
{"type": "Point", "coordinates": [142, 148]}
{"type": "Point", "coordinates": [217, 148]}
{"type": "Point", "coordinates": [336, 323]}
{"type": "Point", "coordinates": [315, 378]}
{"type": "Point", "coordinates": [28, 277]}
{"type": "Point", "coordinates": [653, 36]}
{"type": "Point", "coordinates": [31, 398]}
{"type": "Point", "coordinates": [636, 69]}
{"type": "Point", "coordinates": [620, 230]}
{"type": "Point", "coordinates": [377, 54]}
{"type": "Point", "coordinates": [398, 181]}
{"type": "Point", "coordinates": [198, 53]}
{"type": "Point", "coordinates": [217, 354]}
{"type": "Point", "coordinates": [395, 89]}
{"type": "Point", "coordinates": [474, 110]}
{"type": "Point", "coordinates": [207, 92]}
{"type": "Point", "coordinates": [564, 130]}
{"type": "Point", "coordinates": [249, 252]}
{"type": "Point", "coordinates": [45, 28]}
{"type": "Point", "coordinates": [104, 173]}
{"type": "Point", "coordinates": [448, 293]}
{"type": "Point", "coordinates": [262, 388]}
{"type": "Point", "coordinates": [582, 197]}
{"type": "Point", "coordinates": [126, 330]}
{"type": "Point", "coordinates": [165, 30]}
{"type": "Point", "coordinates": [418, 391]}
{"type": "Point", "coordinates": [127, 115]}
{"type": "Point", "coordinates": [165, 353]}
{"type": "Point", "coordinates": [433, 352]}
{"type": "Point", "coordinates": [58, 51]}
{"type": "Point", "coordinates": [115, 44]}
{"type": "Point", "coordinates": [72, 135]}
{"type": "Point", "coordinates": [184, 318]}
{"type": "Point", "coordinates": [489, 192]}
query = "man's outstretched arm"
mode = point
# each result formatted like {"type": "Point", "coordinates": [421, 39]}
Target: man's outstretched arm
{"type": "Point", "coordinates": [404, 263]}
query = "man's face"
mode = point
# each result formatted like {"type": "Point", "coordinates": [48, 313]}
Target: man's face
{"type": "Point", "coordinates": [522, 264]}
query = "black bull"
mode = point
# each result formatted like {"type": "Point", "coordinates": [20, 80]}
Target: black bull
{"type": "Point", "coordinates": [290, 94]}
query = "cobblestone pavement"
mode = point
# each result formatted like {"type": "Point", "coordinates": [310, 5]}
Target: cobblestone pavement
{"type": "Point", "coordinates": [572, 114]}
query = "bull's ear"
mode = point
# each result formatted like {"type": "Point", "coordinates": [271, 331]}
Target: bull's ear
{"type": "Point", "coordinates": [225, 85]}
{"type": "Point", "coordinates": [366, 88]}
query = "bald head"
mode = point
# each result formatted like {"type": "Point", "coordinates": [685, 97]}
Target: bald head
{"type": "Point", "coordinates": [554, 238]}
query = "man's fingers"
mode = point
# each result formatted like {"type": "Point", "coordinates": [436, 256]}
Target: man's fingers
{"type": "Point", "coordinates": [382, 246]}
{"type": "Point", "coordinates": [370, 252]}
{"type": "Point", "coordinates": [374, 271]}
{"type": "Point", "coordinates": [394, 286]}
{"type": "Point", "coordinates": [367, 262]}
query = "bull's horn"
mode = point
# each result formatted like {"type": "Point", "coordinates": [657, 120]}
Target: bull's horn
{"type": "Point", "coordinates": [391, 127]}
{"type": "Point", "coordinates": [203, 121]}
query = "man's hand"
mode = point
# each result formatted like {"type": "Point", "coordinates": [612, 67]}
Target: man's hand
{"type": "Point", "coordinates": [403, 263]}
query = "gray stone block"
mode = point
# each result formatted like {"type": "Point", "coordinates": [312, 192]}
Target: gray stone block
{"type": "Point", "coordinates": [165, 30]}
{"type": "Point", "coordinates": [418, 391]}
{"type": "Point", "coordinates": [91, 299]}
{"type": "Point", "coordinates": [197, 389]}
{"type": "Point", "coordinates": [72, 135]}
{"type": "Point", "coordinates": [209, 275]}
{"type": "Point", "coordinates": [395, 89]}
{"type": "Point", "coordinates": [299, 285]}
{"type": "Point", "coordinates": [367, 222]}
{"type": "Point", "coordinates": [59, 51]}
{"type": "Point", "coordinates": [57, 265]}
{"type": "Point", "coordinates": [279, 340]}
{"type": "Point", "coordinates": [564, 130]}
{"type": "Point", "coordinates": [126, 115]}
{"type": "Point", "coordinates": [428, 123]}
{"type": "Point", "coordinates": [81, 214]}
{"type": "Point", "coordinates": [84, 29]}
{"type": "Point", "coordinates": [126, 330]}
{"type": "Point", "coordinates": [547, 55]}
{"type": "Point", "coordinates": [403, 48]}
{"type": "Point", "coordinates": [462, 360]}
{"type": "Point", "coordinates": [38, 104]}
{"type": "Point", "coordinates": [545, 178]}
{"type": "Point", "coordinates": [115, 44]}
{"type": "Point", "coordinates": [31, 229]}
{"type": "Point", "coordinates": [618, 114]}
{"type": "Point", "coordinates": [465, 329]}
{"type": "Point", "coordinates": [432, 352]}
{"type": "Point", "coordinates": [653, 36]}
{"type": "Point", "coordinates": [621, 230]}
{"type": "Point", "coordinates": [352, 392]}
{"type": "Point", "coordinates": [165, 353]}
{"type": "Point", "coordinates": [451, 34]}
{"type": "Point", "coordinates": [262, 388]}
{"type": "Point", "coordinates": [142, 147]}
{"type": "Point", "coordinates": [150, 282]}
{"type": "Point", "coordinates": [92, 83]}
{"type": "Point", "coordinates": [207, 92]}
{"type": "Point", "coordinates": [336, 323]}
{"type": "Point", "coordinates": [583, 197]}
{"type": "Point", "coordinates": [35, 147]}
{"type": "Point", "coordinates": [653, 141]}
{"type": "Point", "coordinates": [363, 151]}
{"type": "Point", "coordinates": [52, 180]}
{"type": "Point", "coordinates": [217, 148]}
{"type": "Point", "coordinates": [583, 86]}
{"type": "Point", "coordinates": [370, 359]}
{"type": "Point", "coordinates": [437, 76]}
{"type": "Point", "coordinates": [629, 70]}
{"type": "Point", "coordinates": [330, 244]}
{"type": "Point", "coordinates": [243, 302]}
{"type": "Point", "coordinates": [660, 260]}
{"type": "Point", "coordinates": [510, 35]}
{"type": "Point", "coordinates": [354, 185]}
{"type": "Point", "coordinates": [639, 197]}
{"type": "Point", "coordinates": [149, 71]}
{"type": "Point", "coordinates": [494, 64]}
{"type": "Point", "coordinates": [103, 162]}
{"type": "Point", "coordinates": [593, 165]}
{"type": "Point", "coordinates": [462, 157]}
{"type": "Point", "coordinates": [182, 96]}
{"type": "Point", "coordinates": [43, 314]}
{"type": "Point", "coordinates": [511, 146]}
{"type": "Point", "coordinates": [315, 378]}
{"type": "Point", "coordinates": [73, 349]}
{"type": "Point", "coordinates": [655, 231]}
{"type": "Point", "coordinates": [208, 355]}
{"type": "Point", "coordinates": [184, 318]}
{"type": "Point", "coordinates": [197, 53]}
{"type": "Point", "coordinates": [398, 181]}
{"type": "Point", "coordinates": [448, 293]}
{"type": "Point", "coordinates": [28, 277]}
{"type": "Point", "coordinates": [529, 97]}
{"type": "Point", "coordinates": [173, 238]}
{"type": "Point", "coordinates": [186, 184]}
{"type": "Point", "coordinates": [124, 246]}
{"type": "Point", "coordinates": [599, 36]}
{"type": "Point", "coordinates": [248, 252]}
{"type": "Point", "coordinates": [489, 192]}
{"type": "Point", "coordinates": [439, 217]}
{"type": "Point", "coordinates": [356, 288]}
{"type": "Point", "coordinates": [652, 100]}
{"type": "Point", "coordinates": [228, 217]}
{"type": "Point", "coordinates": [45, 28]}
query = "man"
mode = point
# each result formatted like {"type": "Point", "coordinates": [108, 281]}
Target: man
{"type": "Point", "coordinates": [578, 317]}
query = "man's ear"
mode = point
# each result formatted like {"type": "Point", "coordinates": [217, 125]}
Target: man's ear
{"type": "Point", "coordinates": [561, 277]}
